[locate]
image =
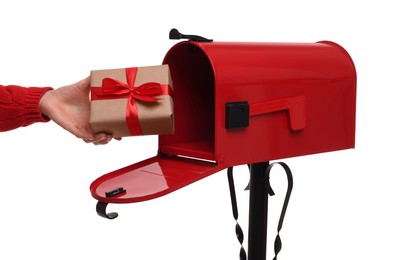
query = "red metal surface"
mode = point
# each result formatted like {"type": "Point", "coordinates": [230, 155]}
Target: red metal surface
{"type": "Point", "coordinates": [151, 178]}
{"type": "Point", "coordinates": [302, 99]}
{"type": "Point", "coordinates": [295, 106]}
{"type": "Point", "coordinates": [207, 75]}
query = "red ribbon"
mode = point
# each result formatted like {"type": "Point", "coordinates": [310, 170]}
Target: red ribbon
{"type": "Point", "coordinates": [112, 88]}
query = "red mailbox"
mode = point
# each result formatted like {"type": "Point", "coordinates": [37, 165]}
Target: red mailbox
{"type": "Point", "coordinates": [243, 103]}
{"type": "Point", "coordinates": [240, 103]}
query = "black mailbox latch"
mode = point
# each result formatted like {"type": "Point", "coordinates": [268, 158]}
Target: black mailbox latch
{"type": "Point", "coordinates": [237, 114]}
{"type": "Point", "coordinates": [115, 192]}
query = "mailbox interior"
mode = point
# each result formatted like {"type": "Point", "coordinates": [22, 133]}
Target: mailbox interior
{"type": "Point", "coordinates": [194, 104]}
{"type": "Point", "coordinates": [184, 157]}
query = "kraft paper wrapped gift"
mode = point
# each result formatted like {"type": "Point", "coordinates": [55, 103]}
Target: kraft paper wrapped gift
{"type": "Point", "coordinates": [132, 101]}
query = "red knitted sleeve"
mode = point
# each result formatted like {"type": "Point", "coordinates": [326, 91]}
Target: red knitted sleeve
{"type": "Point", "coordinates": [19, 106]}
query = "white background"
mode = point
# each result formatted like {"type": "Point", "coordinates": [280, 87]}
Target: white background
{"type": "Point", "coordinates": [344, 204]}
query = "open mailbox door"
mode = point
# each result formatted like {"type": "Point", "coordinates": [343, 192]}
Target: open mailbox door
{"type": "Point", "coordinates": [149, 179]}
{"type": "Point", "coordinates": [240, 103]}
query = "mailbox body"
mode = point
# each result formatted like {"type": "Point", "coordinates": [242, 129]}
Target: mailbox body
{"type": "Point", "coordinates": [315, 81]}
{"type": "Point", "coordinates": [292, 99]}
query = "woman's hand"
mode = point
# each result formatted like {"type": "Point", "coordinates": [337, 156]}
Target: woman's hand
{"type": "Point", "coordinates": [69, 107]}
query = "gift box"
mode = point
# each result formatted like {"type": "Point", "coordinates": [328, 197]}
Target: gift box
{"type": "Point", "coordinates": [132, 101]}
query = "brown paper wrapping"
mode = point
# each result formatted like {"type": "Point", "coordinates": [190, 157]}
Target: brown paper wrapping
{"type": "Point", "coordinates": [155, 118]}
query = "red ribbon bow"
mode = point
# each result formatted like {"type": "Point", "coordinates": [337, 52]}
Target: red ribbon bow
{"type": "Point", "coordinates": [144, 92]}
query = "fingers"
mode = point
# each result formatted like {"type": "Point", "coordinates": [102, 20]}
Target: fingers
{"type": "Point", "coordinates": [102, 139]}
{"type": "Point", "coordinates": [99, 139]}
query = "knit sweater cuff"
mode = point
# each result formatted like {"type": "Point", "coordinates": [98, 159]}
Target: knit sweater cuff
{"type": "Point", "coordinates": [32, 99]}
